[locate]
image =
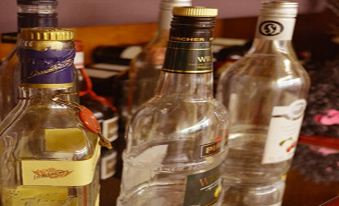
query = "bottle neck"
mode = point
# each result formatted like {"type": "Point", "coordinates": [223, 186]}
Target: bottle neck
{"type": "Point", "coordinates": [188, 65]}
{"type": "Point", "coordinates": [273, 36]}
{"type": "Point", "coordinates": [30, 16]}
{"type": "Point", "coordinates": [198, 86]}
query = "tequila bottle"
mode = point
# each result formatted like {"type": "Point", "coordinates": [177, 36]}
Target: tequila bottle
{"type": "Point", "coordinates": [176, 140]}
{"type": "Point", "coordinates": [48, 156]}
{"type": "Point", "coordinates": [145, 68]}
{"type": "Point", "coordinates": [265, 92]}
{"type": "Point", "coordinates": [31, 13]}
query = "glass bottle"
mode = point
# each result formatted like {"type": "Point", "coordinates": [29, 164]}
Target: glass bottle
{"type": "Point", "coordinates": [31, 13]}
{"type": "Point", "coordinates": [176, 140]}
{"type": "Point", "coordinates": [265, 92]}
{"type": "Point", "coordinates": [104, 112]}
{"type": "Point", "coordinates": [145, 68]}
{"type": "Point", "coordinates": [48, 156]}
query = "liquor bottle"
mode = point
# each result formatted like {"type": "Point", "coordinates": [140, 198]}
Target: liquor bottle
{"type": "Point", "coordinates": [177, 140]}
{"type": "Point", "coordinates": [31, 13]}
{"type": "Point", "coordinates": [265, 92]}
{"type": "Point", "coordinates": [49, 154]}
{"type": "Point", "coordinates": [104, 112]}
{"type": "Point", "coordinates": [145, 68]}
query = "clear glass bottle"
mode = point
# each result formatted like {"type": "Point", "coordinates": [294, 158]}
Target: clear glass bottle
{"type": "Point", "coordinates": [145, 68]}
{"type": "Point", "coordinates": [48, 156]}
{"type": "Point", "coordinates": [266, 194]}
{"type": "Point", "coordinates": [31, 13]}
{"type": "Point", "coordinates": [177, 140]}
{"type": "Point", "coordinates": [265, 94]}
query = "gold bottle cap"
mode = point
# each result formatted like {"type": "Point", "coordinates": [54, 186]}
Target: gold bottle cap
{"type": "Point", "coordinates": [195, 11]}
{"type": "Point", "coordinates": [279, 8]}
{"type": "Point", "coordinates": [46, 34]}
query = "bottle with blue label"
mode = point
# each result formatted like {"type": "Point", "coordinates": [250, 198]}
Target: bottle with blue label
{"type": "Point", "coordinates": [49, 153]}
{"type": "Point", "coordinates": [265, 93]}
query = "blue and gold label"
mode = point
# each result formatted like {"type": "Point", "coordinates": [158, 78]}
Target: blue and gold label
{"type": "Point", "coordinates": [47, 68]}
{"type": "Point", "coordinates": [188, 55]}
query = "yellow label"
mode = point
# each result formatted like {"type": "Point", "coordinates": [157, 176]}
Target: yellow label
{"type": "Point", "coordinates": [38, 196]}
{"type": "Point", "coordinates": [60, 173]}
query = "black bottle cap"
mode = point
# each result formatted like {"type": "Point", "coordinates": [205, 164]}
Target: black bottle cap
{"type": "Point", "coordinates": [37, 2]}
{"type": "Point", "coordinates": [28, 20]}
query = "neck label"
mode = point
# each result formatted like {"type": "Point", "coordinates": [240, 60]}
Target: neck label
{"type": "Point", "coordinates": [188, 55]}
{"type": "Point", "coordinates": [271, 28]}
{"type": "Point", "coordinates": [47, 68]}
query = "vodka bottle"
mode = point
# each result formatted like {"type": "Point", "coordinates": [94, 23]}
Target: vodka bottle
{"type": "Point", "coordinates": [265, 92]}
{"type": "Point", "coordinates": [145, 68]}
{"type": "Point", "coordinates": [176, 140]}
{"type": "Point", "coordinates": [31, 13]}
{"type": "Point", "coordinates": [48, 152]}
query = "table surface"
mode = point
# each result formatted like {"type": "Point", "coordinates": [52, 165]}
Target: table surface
{"type": "Point", "coordinates": [300, 191]}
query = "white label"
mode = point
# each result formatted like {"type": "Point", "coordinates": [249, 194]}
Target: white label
{"type": "Point", "coordinates": [283, 132]}
{"type": "Point", "coordinates": [110, 129]}
{"type": "Point", "coordinates": [270, 28]}
{"type": "Point", "coordinates": [108, 165]}
{"type": "Point", "coordinates": [79, 60]}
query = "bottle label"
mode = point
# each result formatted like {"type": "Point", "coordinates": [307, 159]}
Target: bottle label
{"type": "Point", "coordinates": [283, 132]}
{"type": "Point", "coordinates": [108, 165]}
{"type": "Point", "coordinates": [110, 129]}
{"type": "Point", "coordinates": [188, 55]}
{"type": "Point", "coordinates": [60, 173]}
{"type": "Point", "coordinates": [203, 188]}
{"type": "Point", "coordinates": [271, 28]}
{"type": "Point", "coordinates": [48, 68]}
{"type": "Point", "coordinates": [212, 148]}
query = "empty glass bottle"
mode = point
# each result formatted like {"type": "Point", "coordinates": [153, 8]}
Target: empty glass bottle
{"type": "Point", "coordinates": [176, 140]}
{"type": "Point", "coordinates": [265, 93]}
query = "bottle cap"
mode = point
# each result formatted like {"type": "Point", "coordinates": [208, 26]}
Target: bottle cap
{"type": "Point", "coordinates": [37, 2]}
{"type": "Point", "coordinates": [195, 12]}
{"type": "Point", "coordinates": [279, 8]}
{"type": "Point", "coordinates": [47, 34]}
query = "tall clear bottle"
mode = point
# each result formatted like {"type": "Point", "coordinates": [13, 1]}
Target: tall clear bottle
{"type": "Point", "coordinates": [48, 156]}
{"type": "Point", "coordinates": [176, 141]}
{"type": "Point", "coordinates": [31, 13]}
{"type": "Point", "coordinates": [145, 68]}
{"type": "Point", "coordinates": [265, 93]}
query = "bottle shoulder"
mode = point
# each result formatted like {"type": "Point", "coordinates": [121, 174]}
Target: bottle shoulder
{"type": "Point", "coordinates": [270, 67]}
{"type": "Point", "coordinates": [46, 133]}
{"type": "Point", "coordinates": [173, 113]}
